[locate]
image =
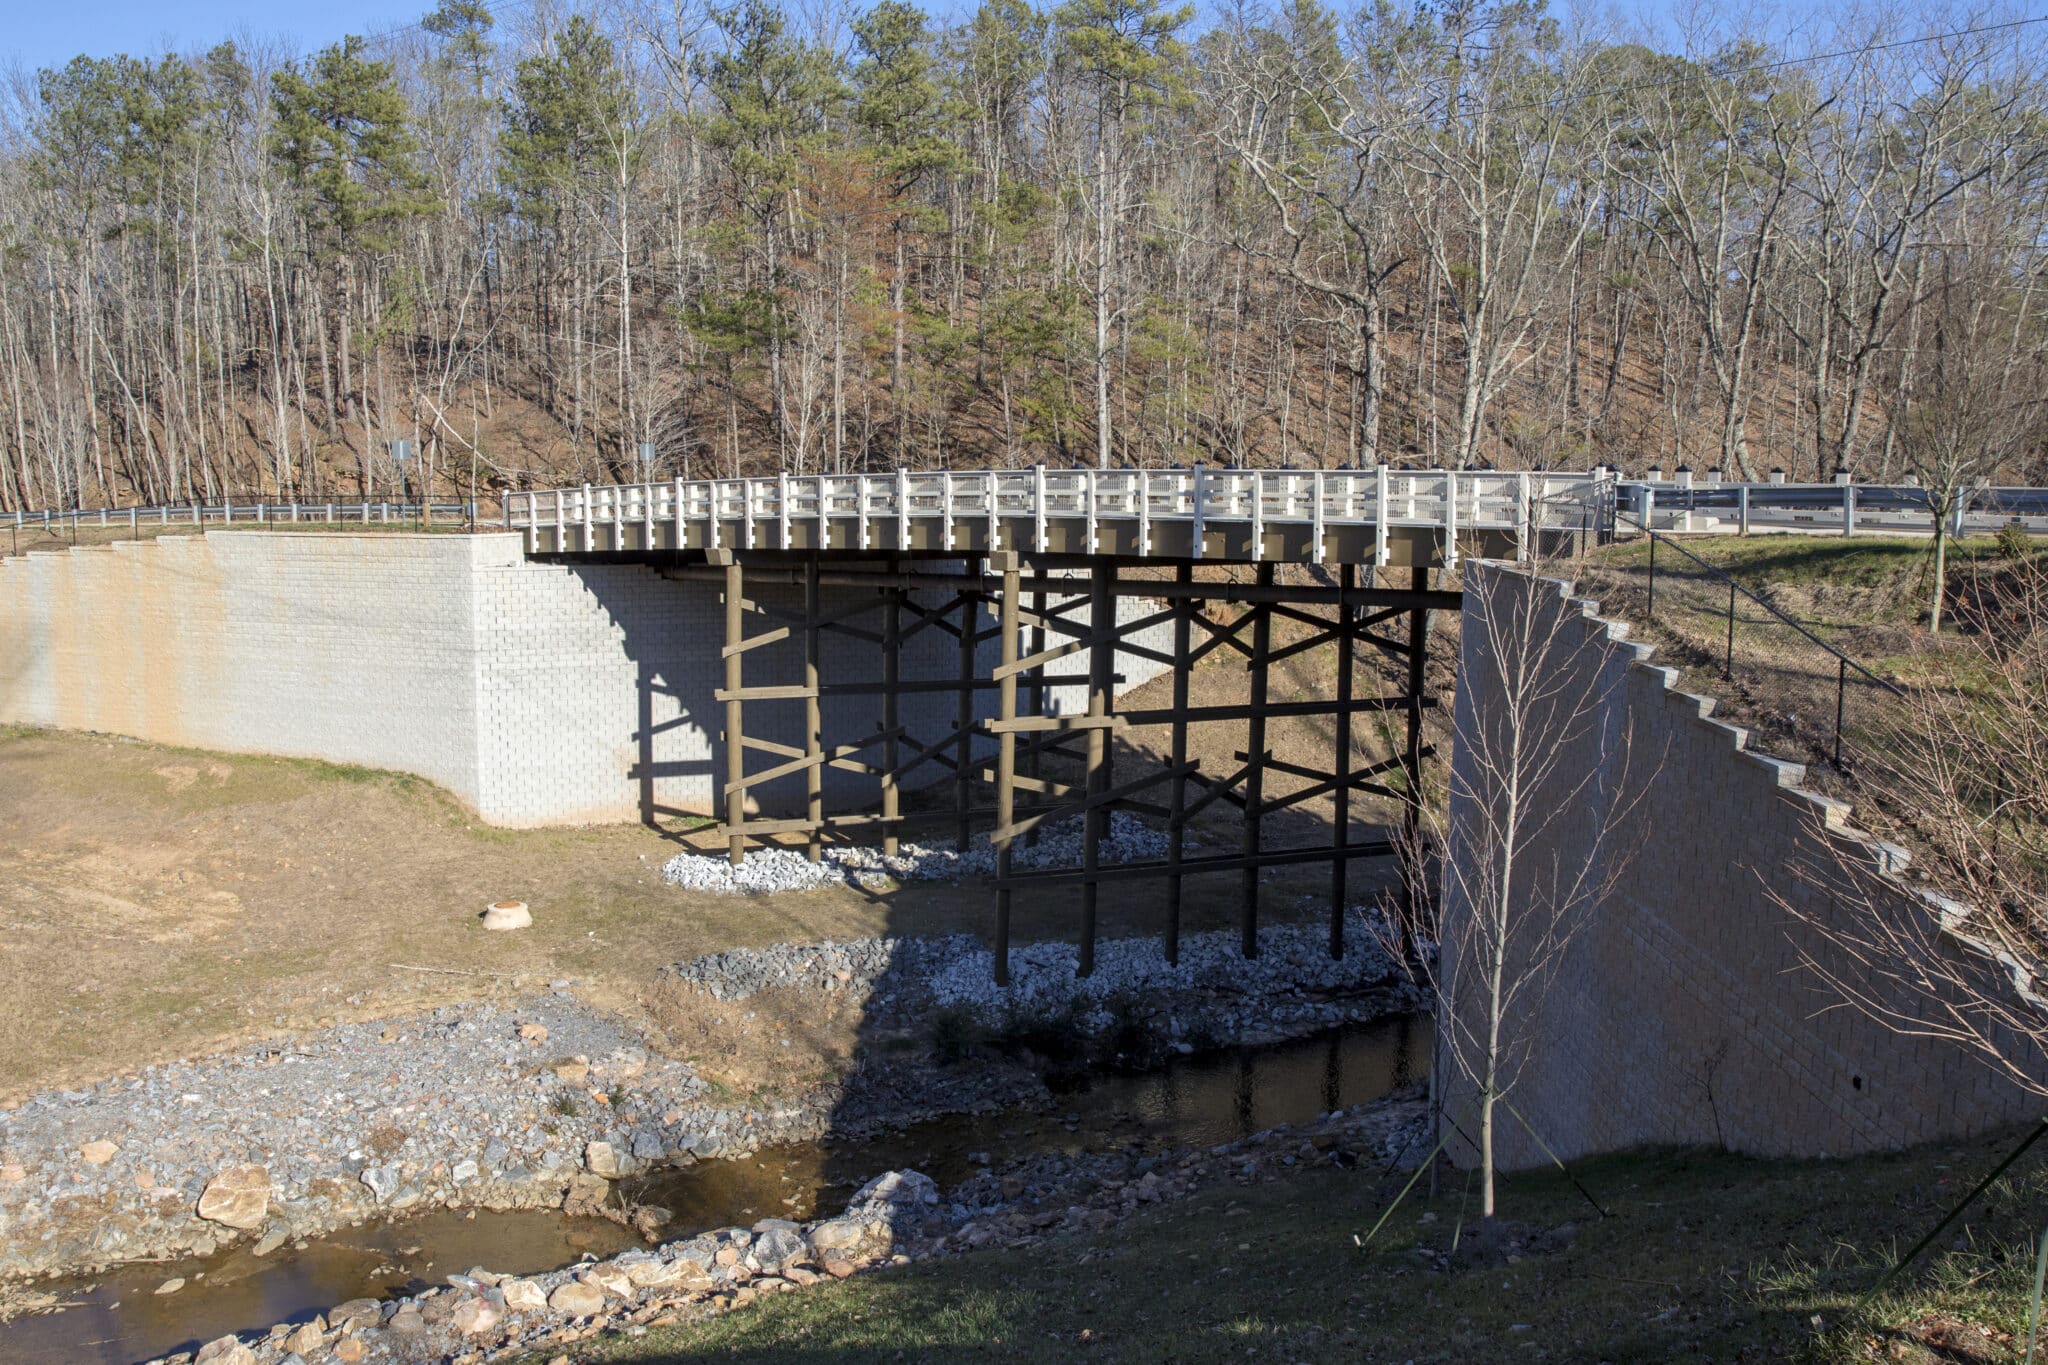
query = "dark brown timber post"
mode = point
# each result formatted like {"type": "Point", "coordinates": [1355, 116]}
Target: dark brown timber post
{"type": "Point", "coordinates": [1255, 759]}
{"type": "Point", "coordinates": [963, 771]}
{"type": "Point", "coordinates": [735, 741]}
{"type": "Point", "coordinates": [1340, 765]}
{"type": "Point", "coordinates": [1101, 659]}
{"type": "Point", "coordinates": [814, 717]}
{"type": "Point", "coordinates": [1411, 766]}
{"type": "Point", "coordinates": [892, 672]}
{"type": "Point", "coordinates": [1032, 767]}
{"type": "Point", "coordinates": [1176, 824]}
{"type": "Point", "coordinates": [1006, 764]}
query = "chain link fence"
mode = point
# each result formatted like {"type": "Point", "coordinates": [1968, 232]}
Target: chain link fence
{"type": "Point", "coordinates": [1776, 670]}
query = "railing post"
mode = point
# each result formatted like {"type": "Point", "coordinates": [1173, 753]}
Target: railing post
{"type": "Point", "coordinates": [1317, 555]}
{"type": "Point", "coordinates": [1848, 509]}
{"type": "Point", "coordinates": [1258, 517]}
{"type": "Point", "coordinates": [1742, 503]}
{"type": "Point", "coordinates": [1524, 514]}
{"type": "Point", "coordinates": [1383, 508]}
{"type": "Point", "coordinates": [1196, 527]}
{"type": "Point", "coordinates": [1450, 519]}
{"type": "Point", "coordinates": [1038, 506]}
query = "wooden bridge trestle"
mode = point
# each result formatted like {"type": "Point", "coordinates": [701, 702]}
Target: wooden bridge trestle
{"type": "Point", "coordinates": [1044, 612]}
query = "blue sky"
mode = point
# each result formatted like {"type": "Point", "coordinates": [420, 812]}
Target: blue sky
{"type": "Point", "coordinates": [39, 33]}
{"type": "Point", "coordinates": [52, 32]}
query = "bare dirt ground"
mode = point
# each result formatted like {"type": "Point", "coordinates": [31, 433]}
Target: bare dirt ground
{"type": "Point", "coordinates": [158, 903]}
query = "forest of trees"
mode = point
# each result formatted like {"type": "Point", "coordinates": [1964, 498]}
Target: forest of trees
{"type": "Point", "coordinates": [837, 237]}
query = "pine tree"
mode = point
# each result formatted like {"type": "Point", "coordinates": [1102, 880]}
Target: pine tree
{"type": "Point", "coordinates": [903, 110]}
{"type": "Point", "coordinates": [1128, 52]}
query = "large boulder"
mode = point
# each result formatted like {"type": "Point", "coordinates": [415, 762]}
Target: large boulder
{"type": "Point", "coordinates": [900, 1189]}
{"type": "Point", "coordinates": [577, 1299]}
{"type": "Point", "coordinates": [776, 1248]}
{"type": "Point", "coordinates": [237, 1197]}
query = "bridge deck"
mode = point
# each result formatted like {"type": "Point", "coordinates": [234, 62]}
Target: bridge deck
{"type": "Point", "coordinates": [1379, 517]}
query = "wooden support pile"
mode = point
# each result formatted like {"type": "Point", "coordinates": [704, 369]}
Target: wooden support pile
{"type": "Point", "coordinates": [1041, 616]}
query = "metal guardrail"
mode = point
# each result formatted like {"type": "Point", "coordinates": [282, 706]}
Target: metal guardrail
{"type": "Point", "coordinates": [252, 511]}
{"type": "Point", "coordinates": [1689, 507]}
{"type": "Point", "coordinates": [1381, 497]}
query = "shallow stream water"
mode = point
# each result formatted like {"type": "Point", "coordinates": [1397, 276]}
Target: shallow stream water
{"type": "Point", "coordinates": [1195, 1101]}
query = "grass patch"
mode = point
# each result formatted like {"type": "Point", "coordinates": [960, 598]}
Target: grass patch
{"type": "Point", "coordinates": [1706, 1257]}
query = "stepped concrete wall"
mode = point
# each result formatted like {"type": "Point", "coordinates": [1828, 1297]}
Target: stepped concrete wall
{"type": "Point", "coordinates": [1684, 1006]}
{"type": "Point", "coordinates": [538, 693]}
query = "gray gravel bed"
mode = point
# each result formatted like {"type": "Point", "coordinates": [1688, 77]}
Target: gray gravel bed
{"type": "Point", "coordinates": [1292, 987]}
{"type": "Point", "coordinates": [767, 871]}
{"type": "Point", "coordinates": [444, 1108]}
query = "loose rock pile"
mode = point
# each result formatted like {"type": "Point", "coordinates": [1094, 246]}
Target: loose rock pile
{"type": "Point", "coordinates": [1292, 987]}
{"type": "Point", "coordinates": [896, 1218]}
{"type": "Point", "coordinates": [769, 870]}
{"type": "Point", "coordinates": [474, 1105]}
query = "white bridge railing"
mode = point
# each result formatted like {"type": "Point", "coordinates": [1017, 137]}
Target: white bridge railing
{"type": "Point", "coordinates": [1435, 499]}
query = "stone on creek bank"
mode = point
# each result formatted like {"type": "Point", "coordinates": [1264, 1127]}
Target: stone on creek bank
{"type": "Point", "coordinates": [238, 1197]}
{"type": "Point", "coordinates": [577, 1300]}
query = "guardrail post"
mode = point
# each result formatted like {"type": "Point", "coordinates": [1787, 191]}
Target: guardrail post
{"type": "Point", "coordinates": [1848, 509]}
{"type": "Point", "coordinates": [1196, 528]}
{"type": "Point", "coordinates": [1742, 503]}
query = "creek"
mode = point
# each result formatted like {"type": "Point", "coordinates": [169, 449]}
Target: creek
{"type": "Point", "coordinates": [1193, 1101]}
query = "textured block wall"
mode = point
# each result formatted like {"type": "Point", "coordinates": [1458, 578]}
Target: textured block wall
{"type": "Point", "coordinates": [539, 694]}
{"type": "Point", "coordinates": [1682, 1011]}
{"type": "Point", "coordinates": [356, 649]}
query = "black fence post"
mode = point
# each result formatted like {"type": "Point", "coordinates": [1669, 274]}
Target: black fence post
{"type": "Point", "coordinates": [1652, 610]}
{"type": "Point", "coordinates": [1841, 691]}
{"type": "Point", "coordinates": [1728, 664]}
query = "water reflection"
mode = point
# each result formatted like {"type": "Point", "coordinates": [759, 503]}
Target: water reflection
{"type": "Point", "coordinates": [1190, 1102]}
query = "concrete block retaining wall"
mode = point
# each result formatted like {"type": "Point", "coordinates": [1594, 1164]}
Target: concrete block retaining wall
{"type": "Point", "coordinates": [538, 693]}
{"type": "Point", "coordinates": [1684, 1011]}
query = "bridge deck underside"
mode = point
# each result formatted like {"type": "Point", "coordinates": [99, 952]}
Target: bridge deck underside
{"type": "Point", "coordinates": [1013, 762]}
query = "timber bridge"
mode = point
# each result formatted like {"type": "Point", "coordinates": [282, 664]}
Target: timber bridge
{"type": "Point", "coordinates": [816, 660]}
{"type": "Point", "coordinates": [959, 638]}
{"type": "Point", "coordinates": [1041, 564]}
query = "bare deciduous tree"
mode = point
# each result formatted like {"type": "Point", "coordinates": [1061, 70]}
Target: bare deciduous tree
{"type": "Point", "coordinates": [1965, 774]}
{"type": "Point", "coordinates": [1539, 824]}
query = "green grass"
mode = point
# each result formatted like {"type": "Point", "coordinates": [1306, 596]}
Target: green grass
{"type": "Point", "coordinates": [1705, 1257]}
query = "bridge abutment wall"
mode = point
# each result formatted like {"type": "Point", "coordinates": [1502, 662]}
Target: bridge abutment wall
{"type": "Point", "coordinates": [1686, 1004]}
{"type": "Point", "coordinates": [537, 693]}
